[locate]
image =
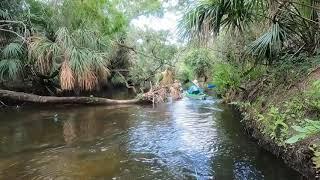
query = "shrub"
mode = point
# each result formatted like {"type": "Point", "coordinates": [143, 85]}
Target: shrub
{"type": "Point", "coordinates": [225, 77]}
{"type": "Point", "coordinates": [196, 63]}
{"type": "Point", "coordinates": [274, 123]}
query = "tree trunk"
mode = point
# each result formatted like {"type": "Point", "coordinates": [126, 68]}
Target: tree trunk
{"type": "Point", "coordinates": [31, 98]}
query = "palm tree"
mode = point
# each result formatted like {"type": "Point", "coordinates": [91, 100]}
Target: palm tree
{"type": "Point", "coordinates": [11, 64]}
{"type": "Point", "coordinates": [80, 57]}
{"type": "Point", "coordinates": [12, 35]}
{"type": "Point", "coordinates": [209, 16]}
{"type": "Point", "coordinates": [293, 25]}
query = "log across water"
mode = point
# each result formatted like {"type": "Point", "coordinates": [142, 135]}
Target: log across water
{"type": "Point", "coordinates": [32, 98]}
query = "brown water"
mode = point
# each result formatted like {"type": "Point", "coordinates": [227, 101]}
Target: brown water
{"type": "Point", "coordinates": [181, 140]}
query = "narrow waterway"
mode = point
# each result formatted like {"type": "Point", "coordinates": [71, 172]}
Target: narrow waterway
{"type": "Point", "coordinates": [181, 140]}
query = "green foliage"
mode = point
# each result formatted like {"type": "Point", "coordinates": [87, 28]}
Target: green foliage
{"type": "Point", "coordinates": [290, 69]}
{"type": "Point", "coordinates": [10, 69]}
{"type": "Point", "coordinates": [316, 156]}
{"type": "Point", "coordinates": [133, 9]}
{"type": "Point", "coordinates": [99, 14]}
{"type": "Point", "coordinates": [269, 44]}
{"type": "Point", "coordinates": [307, 129]}
{"type": "Point", "coordinates": [12, 50]}
{"type": "Point", "coordinates": [185, 73]}
{"type": "Point", "coordinates": [11, 64]}
{"type": "Point", "coordinates": [313, 96]}
{"type": "Point", "coordinates": [154, 55]}
{"type": "Point", "coordinates": [293, 27]}
{"type": "Point", "coordinates": [208, 16]}
{"type": "Point", "coordinates": [78, 41]}
{"type": "Point", "coordinates": [81, 56]}
{"type": "Point", "coordinates": [196, 63]}
{"type": "Point", "coordinates": [309, 106]}
{"type": "Point", "coordinates": [274, 124]}
{"type": "Point", "coordinates": [294, 108]}
{"type": "Point", "coordinates": [226, 77]}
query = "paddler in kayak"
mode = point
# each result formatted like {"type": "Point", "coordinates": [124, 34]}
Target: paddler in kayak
{"type": "Point", "coordinates": [195, 91]}
{"type": "Point", "coordinates": [195, 88]}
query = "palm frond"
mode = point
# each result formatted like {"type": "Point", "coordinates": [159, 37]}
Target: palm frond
{"type": "Point", "coordinates": [269, 43]}
{"type": "Point", "coordinates": [45, 53]}
{"type": "Point", "coordinates": [80, 55]}
{"type": "Point", "coordinates": [85, 38]}
{"type": "Point", "coordinates": [206, 19]}
{"type": "Point", "coordinates": [12, 50]}
{"type": "Point", "coordinates": [63, 38]}
{"type": "Point", "coordinates": [88, 81]}
{"type": "Point", "coordinates": [79, 61]}
{"type": "Point", "coordinates": [67, 80]}
{"type": "Point", "coordinates": [100, 66]}
{"type": "Point", "coordinates": [10, 69]}
{"type": "Point", "coordinates": [201, 21]}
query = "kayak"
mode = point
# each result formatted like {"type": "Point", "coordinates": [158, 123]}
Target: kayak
{"type": "Point", "coordinates": [211, 86]}
{"type": "Point", "coordinates": [200, 96]}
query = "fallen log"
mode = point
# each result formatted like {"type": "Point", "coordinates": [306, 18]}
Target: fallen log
{"type": "Point", "coordinates": [32, 98]}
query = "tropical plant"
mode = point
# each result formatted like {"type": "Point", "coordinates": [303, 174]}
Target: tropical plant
{"type": "Point", "coordinates": [209, 16]}
{"type": "Point", "coordinates": [79, 56]}
{"type": "Point", "coordinates": [308, 128]}
{"type": "Point", "coordinates": [11, 61]}
{"type": "Point", "coordinates": [293, 26]}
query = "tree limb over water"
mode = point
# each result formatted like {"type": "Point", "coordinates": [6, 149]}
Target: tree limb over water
{"type": "Point", "coordinates": [32, 98]}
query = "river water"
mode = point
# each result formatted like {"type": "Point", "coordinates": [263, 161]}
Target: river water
{"type": "Point", "coordinates": [186, 139]}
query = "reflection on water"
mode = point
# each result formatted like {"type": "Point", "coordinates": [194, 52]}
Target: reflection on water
{"type": "Point", "coordinates": [181, 140]}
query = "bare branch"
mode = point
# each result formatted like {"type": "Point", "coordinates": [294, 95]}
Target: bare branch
{"type": "Point", "coordinates": [126, 82]}
{"type": "Point", "coordinates": [3, 104]}
{"type": "Point", "coordinates": [17, 34]}
{"type": "Point", "coordinates": [24, 37]}
{"type": "Point", "coordinates": [137, 52]}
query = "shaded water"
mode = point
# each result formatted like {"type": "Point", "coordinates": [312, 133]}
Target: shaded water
{"type": "Point", "coordinates": [181, 140]}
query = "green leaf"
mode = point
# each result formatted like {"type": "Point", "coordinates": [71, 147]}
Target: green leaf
{"type": "Point", "coordinates": [10, 69]}
{"type": "Point", "coordinates": [300, 129]}
{"type": "Point", "coordinates": [295, 138]}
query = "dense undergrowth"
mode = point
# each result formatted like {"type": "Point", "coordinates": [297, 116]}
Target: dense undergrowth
{"type": "Point", "coordinates": [266, 60]}
{"type": "Point", "coordinates": [283, 101]}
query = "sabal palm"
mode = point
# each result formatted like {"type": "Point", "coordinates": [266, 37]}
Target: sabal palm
{"type": "Point", "coordinates": [294, 22]}
{"type": "Point", "coordinates": [11, 62]}
{"type": "Point", "coordinates": [80, 57]}
{"type": "Point", "coordinates": [209, 16]}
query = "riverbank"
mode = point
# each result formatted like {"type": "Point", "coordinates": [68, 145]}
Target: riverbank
{"type": "Point", "coordinates": [283, 118]}
{"type": "Point", "coordinates": [299, 156]}
{"type": "Point", "coordinates": [185, 139]}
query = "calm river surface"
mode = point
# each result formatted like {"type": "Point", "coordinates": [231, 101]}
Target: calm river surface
{"type": "Point", "coordinates": [181, 140]}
